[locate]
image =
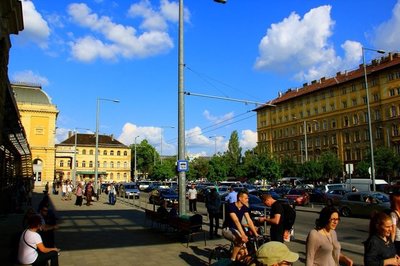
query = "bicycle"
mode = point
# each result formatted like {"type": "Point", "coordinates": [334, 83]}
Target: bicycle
{"type": "Point", "coordinates": [224, 251]}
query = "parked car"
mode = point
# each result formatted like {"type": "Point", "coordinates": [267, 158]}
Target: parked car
{"type": "Point", "coordinates": [333, 197]}
{"type": "Point", "coordinates": [129, 190]}
{"type": "Point", "coordinates": [298, 196]}
{"type": "Point", "coordinates": [158, 196]}
{"type": "Point", "coordinates": [363, 203]}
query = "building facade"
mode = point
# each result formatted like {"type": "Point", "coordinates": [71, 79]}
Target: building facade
{"type": "Point", "coordinates": [331, 115]}
{"type": "Point", "coordinates": [15, 154]}
{"type": "Point", "coordinates": [38, 116]}
{"type": "Point", "coordinates": [114, 158]}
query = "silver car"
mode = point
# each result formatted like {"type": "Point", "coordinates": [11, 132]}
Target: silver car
{"type": "Point", "coordinates": [130, 190]}
{"type": "Point", "coordinates": [363, 203]}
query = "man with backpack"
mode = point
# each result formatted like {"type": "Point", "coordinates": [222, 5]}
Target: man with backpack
{"type": "Point", "coordinates": [276, 219]}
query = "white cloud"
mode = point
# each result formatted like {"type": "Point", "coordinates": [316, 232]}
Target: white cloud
{"type": "Point", "coordinates": [118, 40]}
{"type": "Point", "coordinates": [61, 134]}
{"type": "Point", "coordinates": [36, 29]}
{"type": "Point", "coordinates": [150, 133]}
{"type": "Point", "coordinates": [248, 140]}
{"type": "Point", "coordinates": [28, 76]}
{"type": "Point", "coordinates": [195, 138]}
{"type": "Point", "coordinates": [218, 119]}
{"type": "Point", "coordinates": [387, 35]}
{"type": "Point", "coordinates": [152, 19]}
{"type": "Point", "coordinates": [301, 46]}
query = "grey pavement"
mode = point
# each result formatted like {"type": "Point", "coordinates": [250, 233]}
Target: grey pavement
{"type": "Point", "coordinates": [103, 234]}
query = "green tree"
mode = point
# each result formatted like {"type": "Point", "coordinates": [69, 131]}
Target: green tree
{"type": "Point", "coordinates": [268, 168]}
{"type": "Point", "coordinates": [198, 169]}
{"type": "Point", "coordinates": [234, 154]}
{"type": "Point", "coordinates": [331, 165]}
{"type": "Point", "coordinates": [219, 168]}
{"type": "Point", "coordinates": [386, 162]}
{"type": "Point", "coordinates": [164, 171]}
{"type": "Point", "coordinates": [311, 170]}
{"type": "Point", "coordinates": [361, 169]}
{"type": "Point", "coordinates": [249, 166]}
{"type": "Point", "coordinates": [145, 158]}
{"type": "Point", "coordinates": [289, 167]}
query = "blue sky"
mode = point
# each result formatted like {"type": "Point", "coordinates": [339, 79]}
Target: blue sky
{"type": "Point", "coordinates": [244, 49]}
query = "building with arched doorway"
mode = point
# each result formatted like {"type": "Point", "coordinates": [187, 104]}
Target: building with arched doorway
{"type": "Point", "coordinates": [38, 116]}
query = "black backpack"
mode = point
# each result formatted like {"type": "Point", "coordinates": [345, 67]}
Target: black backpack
{"type": "Point", "coordinates": [289, 216]}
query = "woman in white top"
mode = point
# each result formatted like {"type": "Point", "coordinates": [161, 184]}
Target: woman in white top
{"type": "Point", "coordinates": [31, 249]}
{"type": "Point", "coordinates": [322, 247]}
{"type": "Point", "coordinates": [395, 214]}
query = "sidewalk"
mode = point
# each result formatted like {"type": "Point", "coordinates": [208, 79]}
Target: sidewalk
{"type": "Point", "coordinates": [103, 234]}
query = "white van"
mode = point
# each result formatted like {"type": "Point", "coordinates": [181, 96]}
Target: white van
{"type": "Point", "coordinates": [329, 187]}
{"type": "Point", "coordinates": [363, 184]}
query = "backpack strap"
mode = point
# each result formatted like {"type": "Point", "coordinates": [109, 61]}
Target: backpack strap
{"type": "Point", "coordinates": [23, 236]}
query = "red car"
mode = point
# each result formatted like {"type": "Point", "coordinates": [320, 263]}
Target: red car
{"type": "Point", "coordinates": [298, 196]}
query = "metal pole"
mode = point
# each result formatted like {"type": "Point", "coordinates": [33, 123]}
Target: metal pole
{"type": "Point", "coordinates": [181, 114]}
{"type": "Point", "coordinates": [305, 139]}
{"type": "Point", "coordinates": [371, 143]}
{"type": "Point", "coordinates": [135, 174]}
{"type": "Point", "coordinates": [74, 161]}
{"type": "Point", "coordinates": [96, 151]}
{"type": "Point", "coordinates": [161, 145]}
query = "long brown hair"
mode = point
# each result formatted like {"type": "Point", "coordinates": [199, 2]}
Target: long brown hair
{"type": "Point", "coordinates": [376, 222]}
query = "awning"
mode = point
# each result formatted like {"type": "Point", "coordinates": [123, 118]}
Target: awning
{"type": "Point", "coordinates": [90, 173]}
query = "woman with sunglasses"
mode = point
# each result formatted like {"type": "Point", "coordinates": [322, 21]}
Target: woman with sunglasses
{"type": "Point", "coordinates": [322, 246]}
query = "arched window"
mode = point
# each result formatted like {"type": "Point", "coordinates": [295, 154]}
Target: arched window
{"type": "Point", "coordinates": [111, 164]}
{"type": "Point", "coordinates": [111, 152]}
{"type": "Point", "coordinates": [90, 152]}
{"type": "Point", "coordinates": [83, 163]}
{"type": "Point", "coordinates": [111, 175]}
{"type": "Point", "coordinates": [84, 152]}
{"type": "Point", "coordinates": [125, 175]}
{"type": "Point", "coordinates": [105, 152]}
{"type": "Point", "coordinates": [104, 164]}
{"type": "Point", "coordinates": [62, 163]}
{"type": "Point", "coordinates": [118, 164]}
{"type": "Point", "coordinates": [125, 164]}
{"type": "Point", "coordinates": [118, 153]}
{"type": "Point", "coordinates": [125, 153]}
{"type": "Point", "coordinates": [118, 176]}
{"type": "Point", "coordinates": [76, 163]}
{"type": "Point", "coordinates": [90, 164]}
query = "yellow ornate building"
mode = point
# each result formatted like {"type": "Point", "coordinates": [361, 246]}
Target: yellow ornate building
{"type": "Point", "coordinates": [114, 158]}
{"type": "Point", "coordinates": [38, 116]}
{"type": "Point", "coordinates": [330, 114]}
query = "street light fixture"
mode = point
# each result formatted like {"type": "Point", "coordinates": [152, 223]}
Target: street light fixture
{"type": "Point", "coordinates": [74, 160]}
{"type": "Point", "coordinates": [161, 140]}
{"type": "Point", "coordinates": [135, 174]}
{"type": "Point", "coordinates": [96, 152]}
{"type": "Point", "coordinates": [181, 111]}
{"type": "Point", "coordinates": [371, 142]}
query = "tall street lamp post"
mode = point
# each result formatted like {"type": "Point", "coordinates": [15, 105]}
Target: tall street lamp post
{"type": "Point", "coordinates": [371, 142]}
{"type": "Point", "coordinates": [181, 111]}
{"type": "Point", "coordinates": [215, 142]}
{"type": "Point", "coordinates": [75, 150]}
{"type": "Point", "coordinates": [305, 139]}
{"type": "Point", "coordinates": [135, 161]}
{"type": "Point", "coordinates": [161, 141]}
{"type": "Point", "coordinates": [96, 152]}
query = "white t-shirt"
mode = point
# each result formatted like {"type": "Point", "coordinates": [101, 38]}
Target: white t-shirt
{"type": "Point", "coordinates": [27, 254]}
{"type": "Point", "coordinates": [396, 222]}
{"type": "Point", "coordinates": [192, 193]}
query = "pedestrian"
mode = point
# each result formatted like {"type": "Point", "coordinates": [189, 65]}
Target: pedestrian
{"type": "Point", "coordinates": [379, 248]}
{"type": "Point", "coordinates": [395, 214]}
{"type": "Point", "coordinates": [64, 190]}
{"type": "Point", "coordinates": [46, 188]}
{"type": "Point", "coordinates": [89, 193]}
{"type": "Point", "coordinates": [79, 194]}
{"type": "Point", "coordinates": [49, 225]}
{"type": "Point", "coordinates": [192, 196]}
{"type": "Point", "coordinates": [276, 218]}
{"type": "Point", "coordinates": [233, 229]}
{"type": "Point", "coordinates": [213, 204]}
{"type": "Point", "coordinates": [232, 196]}
{"type": "Point", "coordinates": [111, 194]}
{"type": "Point", "coordinates": [322, 246]}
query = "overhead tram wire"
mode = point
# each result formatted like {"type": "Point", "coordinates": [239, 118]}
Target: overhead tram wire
{"type": "Point", "coordinates": [200, 75]}
{"type": "Point", "coordinates": [213, 127]}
